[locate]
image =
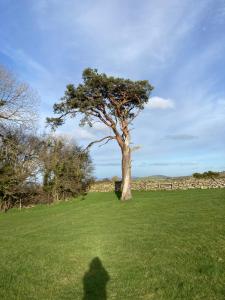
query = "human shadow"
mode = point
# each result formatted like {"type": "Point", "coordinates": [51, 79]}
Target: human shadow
{"type": "Point", "coordinates": [117, 189]}
{"type": "Point", "coordinates": [95, 281]}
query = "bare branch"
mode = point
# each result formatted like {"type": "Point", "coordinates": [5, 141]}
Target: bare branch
{"type": "Point", "coordinates": [105, 143]}
{"type": "Point", "coordinates": [18, 102]}
{"type": "Point", "coordinates": [108, 138]}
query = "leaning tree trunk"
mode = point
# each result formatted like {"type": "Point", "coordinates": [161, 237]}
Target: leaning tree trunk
{"type": "Point", "coordinates": [126, 172]}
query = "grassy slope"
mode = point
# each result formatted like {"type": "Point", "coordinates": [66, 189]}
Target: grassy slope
{"type": "Point", "coordinates": [161, 245]}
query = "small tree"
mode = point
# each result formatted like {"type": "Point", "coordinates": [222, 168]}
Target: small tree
{"type": "Point", "coordinates": [66, 168]}
{"type": "Point", "coordinates": [113, 101]}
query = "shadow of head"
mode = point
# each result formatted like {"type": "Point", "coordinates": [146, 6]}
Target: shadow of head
{"type": "Point", "coordinates": [95, 281]}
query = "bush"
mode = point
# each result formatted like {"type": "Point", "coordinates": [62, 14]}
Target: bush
{"type": "Point", "coordinates": [66, 168]}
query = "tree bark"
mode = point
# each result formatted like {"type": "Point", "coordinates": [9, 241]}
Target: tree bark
{"type": "Point", "coordinates": [126, 171]}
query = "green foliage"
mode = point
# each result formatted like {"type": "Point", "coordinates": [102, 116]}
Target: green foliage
{"type": "Point", "coordinates": [66, 168]}
{"type": "Point", "coordinates": [159, 246]}
{"type": "Point", "coordinates": [209, 174]}
{"type": "Point", "coordinates": [100, 96]}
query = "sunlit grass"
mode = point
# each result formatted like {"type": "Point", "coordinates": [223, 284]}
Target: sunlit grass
{"type": "Point", "coordinates": [160, 245]}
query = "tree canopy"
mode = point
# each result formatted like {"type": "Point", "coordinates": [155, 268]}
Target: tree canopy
{"type": "Point", "coordinates": [114, 101]}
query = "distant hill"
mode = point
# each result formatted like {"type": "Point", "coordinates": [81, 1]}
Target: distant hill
{"type": "Point", "coordinates": [152, 177]}
{"type": "Point", "coordinates": [158, 177]}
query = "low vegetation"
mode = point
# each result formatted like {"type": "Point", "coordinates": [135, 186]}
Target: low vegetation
{"type": "Point", "coordinates": [34, 168]}
{"type": "Point", "coordinates": [40, 169]}
{"type": "Point", "coordinates": [161, 245]}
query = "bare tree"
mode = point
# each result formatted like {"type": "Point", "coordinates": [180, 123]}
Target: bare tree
{"type": "Point", "coordinates": [18, 102]}
{"type": "Point", "coordinates": [19, 165]}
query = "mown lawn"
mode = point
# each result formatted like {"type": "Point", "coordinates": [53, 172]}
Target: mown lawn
{"type": "Point", "coordinates": [161, 245]}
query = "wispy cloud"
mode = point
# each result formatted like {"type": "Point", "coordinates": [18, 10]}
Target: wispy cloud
{"type": "Point", "coordinates": [153, 33]}
{"type": "Point", "coordinates": [160, 164]}
{"type": "Point", "coordinates": [182, 137]}
{"type": "Point", "coordinates": [130, 40]}
{"type": "Point", "coordinates": [108, 164]}
{"type": "Point", "coordinates": [20, 57]}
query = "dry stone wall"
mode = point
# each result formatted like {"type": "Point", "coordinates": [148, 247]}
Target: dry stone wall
{"type": "Point", "coordinates": [168, 184]}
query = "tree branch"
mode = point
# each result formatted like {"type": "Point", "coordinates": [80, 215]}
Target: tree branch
{"type": "Point", "coordinates": [108, 138]}
{"type": "Point", "coordinates": [111, 123]}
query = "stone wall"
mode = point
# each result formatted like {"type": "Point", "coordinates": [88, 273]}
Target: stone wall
{"type": "Point", "coordinates": [168, 184]}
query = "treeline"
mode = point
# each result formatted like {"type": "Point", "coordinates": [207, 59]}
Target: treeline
{"type": "Point", "coordinates": [206, 175]}
{"type": "Point", "coordinates": [34, 168]}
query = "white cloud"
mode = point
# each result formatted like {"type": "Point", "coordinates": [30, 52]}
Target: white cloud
{"type": "Point", "coordinates": [83, 134]}
{"type": "Point", "coordinates": [100, 127]}
{"type": "Point", "coordinates": [78, 134]}
{"type": "Point", "coordinates": [160, 103]}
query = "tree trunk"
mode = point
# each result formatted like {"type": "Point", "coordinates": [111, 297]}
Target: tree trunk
{"type": "Point", "coordinates": [126, 172]}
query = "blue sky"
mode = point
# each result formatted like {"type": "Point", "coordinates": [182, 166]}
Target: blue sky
{"type": "Point", "coordinates": [178, 46]}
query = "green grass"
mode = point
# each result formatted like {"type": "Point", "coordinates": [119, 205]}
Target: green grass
{"type": "Point", "coordinates": [160, 245]}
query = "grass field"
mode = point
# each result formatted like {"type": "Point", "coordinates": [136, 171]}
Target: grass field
{"type": "Point", "coordinates": [161, 245]}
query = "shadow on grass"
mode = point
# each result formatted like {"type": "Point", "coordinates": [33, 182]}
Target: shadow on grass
{"type": "Point", "coordinates": [117, 189]}
{"type": "Point", "coordinates": [118, 194]}
{"type": "Point", "coordinates": [83, 196]}
{"type": "Point", "coordinates": [95, 281]}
